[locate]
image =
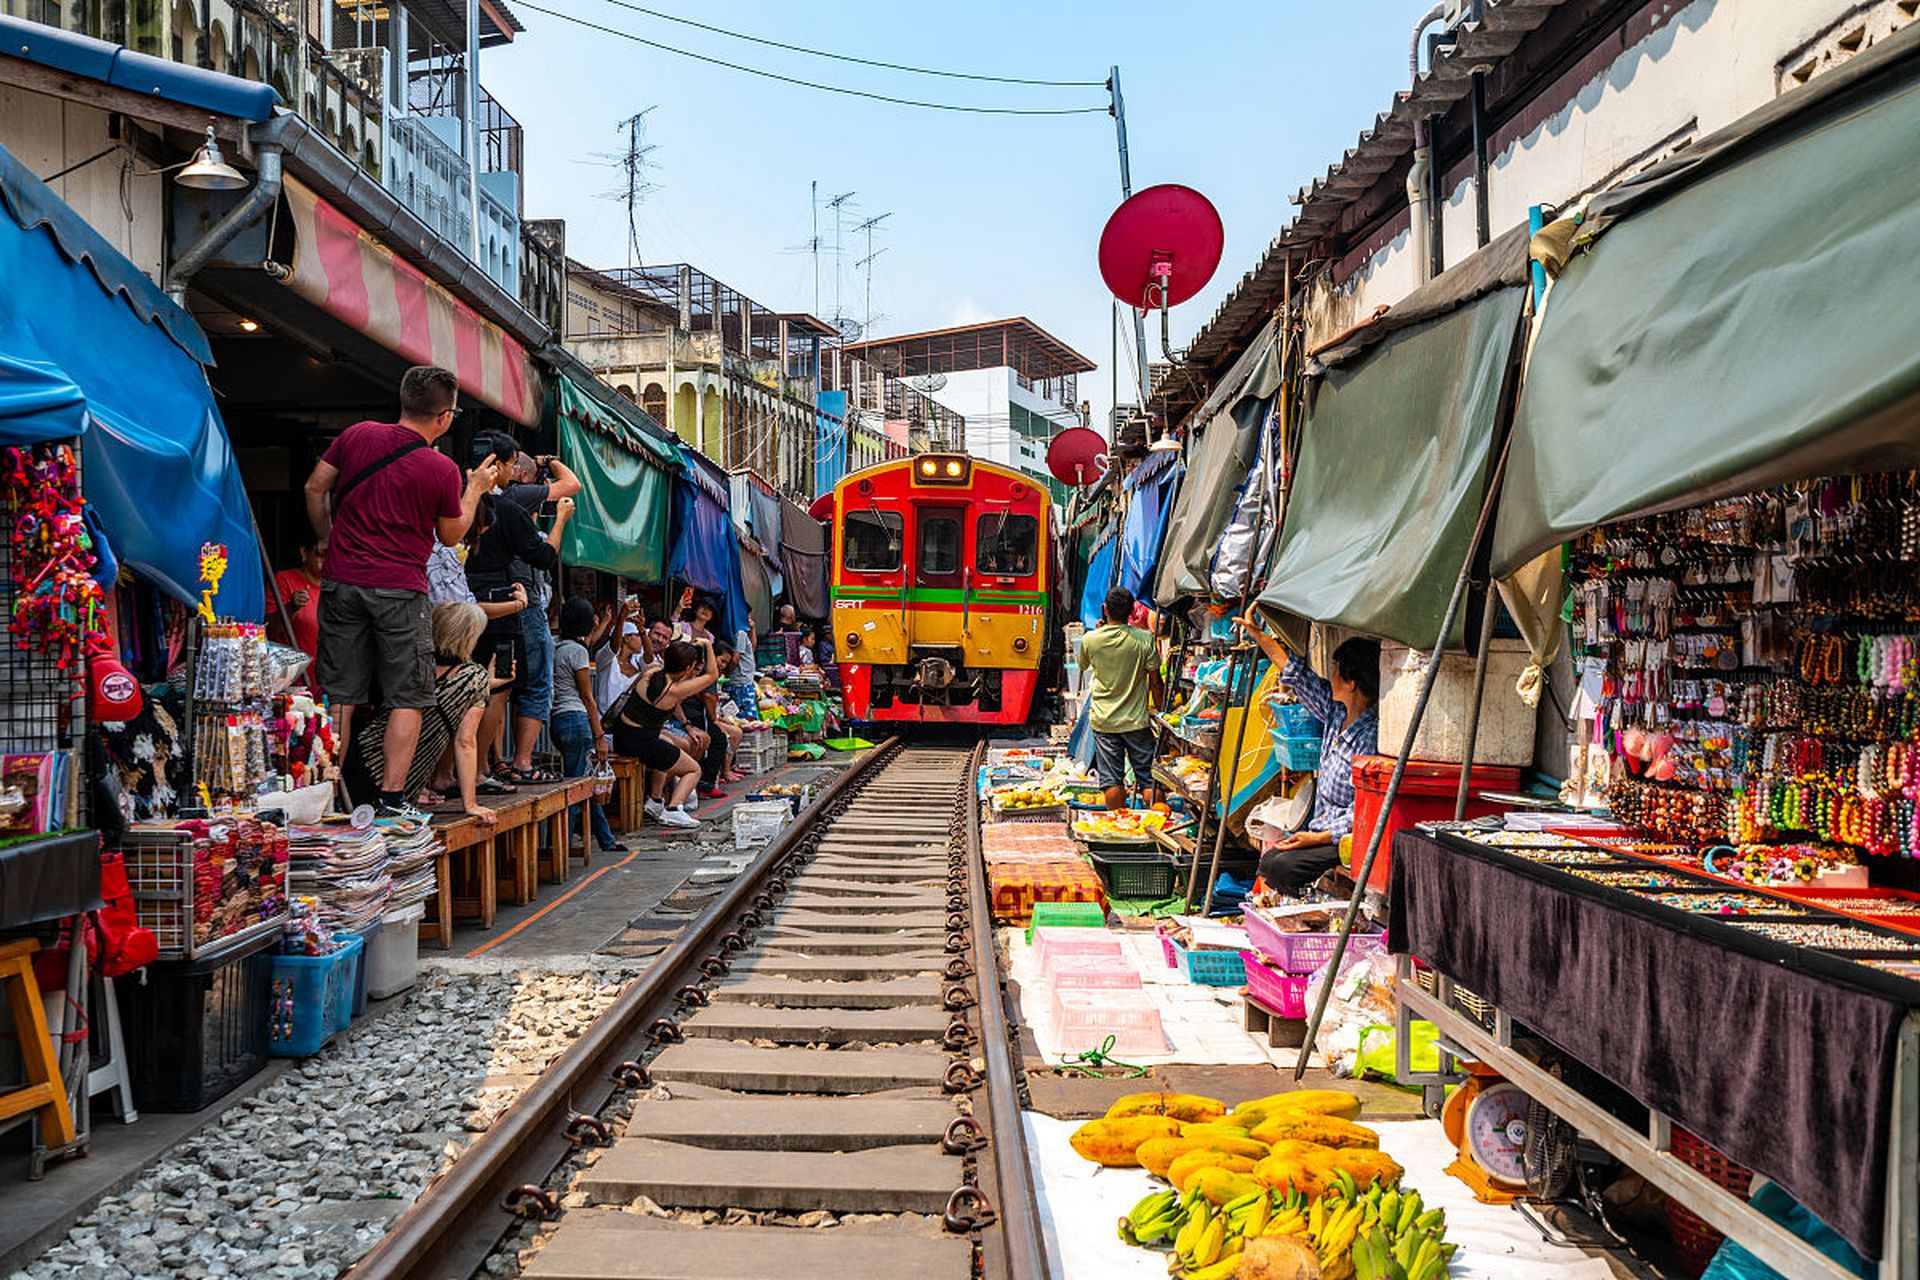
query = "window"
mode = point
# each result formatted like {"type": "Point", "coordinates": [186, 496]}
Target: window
{"type": "Point", "coordinates": [939, 545]}
{"type": "Point", "coordinates": [873, 541]}
{"type": "Point", "coordinates": [1007, 544]}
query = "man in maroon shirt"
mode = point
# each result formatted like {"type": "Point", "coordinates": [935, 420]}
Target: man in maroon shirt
{"type": "Point", "coordinates": [378, 497]}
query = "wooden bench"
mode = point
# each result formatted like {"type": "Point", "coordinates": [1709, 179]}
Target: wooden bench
{"type": "Point", "coordinates": [468, 886]}
{"type": "Point", "coordinates": [625, 808]}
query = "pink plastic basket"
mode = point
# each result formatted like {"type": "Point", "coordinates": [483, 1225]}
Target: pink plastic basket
{"type": "Point", "coordinates": [1052, 942]}
{"type": "Point", "coordinates": [1283, 993]}
{"type": "Point", "coordinates": [1303, 953]}
{"type": "Point", "coordinates": [1084, 1017]}
{"type": "Point", "coordinates": [1091, 971]}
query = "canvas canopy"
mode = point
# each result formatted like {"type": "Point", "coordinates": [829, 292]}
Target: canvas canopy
{"type": "Point", "coordinates": [620, 517]}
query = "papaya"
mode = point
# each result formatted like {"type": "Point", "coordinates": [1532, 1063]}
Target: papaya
{"type": "Point", "coordinates": [1215, 1129]}
{"type": "Point", "coordinates": [1221, 1185]}
{"type": "Point", "coordinates": [1181, 1106]}
{"type": "Point", "coordinates": [1363, 1165]}
{"type": "Point", "coordinates": [1114, 1142]}
{"type": "Point", "coordinates": [1325, 1102]}
{"type": "Point", "coordinates": [1328, 1131]}
{"type": "Point", "coordinates": [1156, 1155]}
{"type": "Point", "coordinates": [1185, 1166]}
{"type": "Point", "coordinates": [1293, 1172]}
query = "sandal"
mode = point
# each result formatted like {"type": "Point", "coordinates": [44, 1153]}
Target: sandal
{"type": "Point", "coordinates": [429, 798]}
{"type": "Point", "coordinates": [491, 786]}
{"type": "Point", "coordinates": [535, 777]}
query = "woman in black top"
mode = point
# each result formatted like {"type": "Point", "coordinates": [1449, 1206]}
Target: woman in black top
{"type": "Point", "coordinates": [686, 668]}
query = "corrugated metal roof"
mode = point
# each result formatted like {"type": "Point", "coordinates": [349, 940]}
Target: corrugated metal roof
{"type": "Point", "coordinates": [1503, 25]}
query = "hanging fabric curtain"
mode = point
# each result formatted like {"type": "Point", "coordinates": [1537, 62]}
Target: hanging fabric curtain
{"type": "Point", "coordinates": [620, 518]}
{"type": "Point", "coordinates": [1099, 579]}
{"type": "Point", "coordinates": [803, 560]}
{"type": "Point", "coordinates": [705, 551]}
{"type": "Point", "coordinates": [1224, 445]}
{"type": "Point", "coordinates": [1150, 495]}
{"type": "Point", "coordinates": [91, 348]}
{"type": "Point", "coordinates": [1740, 316]}
{"type": "Point", "coordinates": [1245, 547]}
{"type": "Point", "coordinates": [1392, 471]}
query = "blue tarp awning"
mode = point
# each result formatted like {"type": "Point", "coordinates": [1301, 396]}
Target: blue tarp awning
{"type": "Point", "coordinates": [705, 551]}
{"type": "Point", "coordinates": [90, 347]}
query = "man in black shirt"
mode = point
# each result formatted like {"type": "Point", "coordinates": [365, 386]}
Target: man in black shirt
{"type": "Point", "coordinates": [536, 481]}
{"type": "Point", "coordinates": [512, 540]}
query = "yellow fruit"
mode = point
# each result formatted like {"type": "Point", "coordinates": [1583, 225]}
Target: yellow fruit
{"type": "Point", "coordinates": [1114, 1142]}
{"type": "Point", "coordinates": [1185, 1166]}
{"type": "Point", "coordinates": [1328, 1131]}
{"type": "Point", "coordinates": [1221, 1185]}
{"type": "Point", "coordinates": [1156, 1155]}
{"type": "Point", "coordinates": [1325, 1102]}
{"type": "Point", "coordinates": [1214, 1129]}
{"type": "Point", "coordinates": [1181, 1106]}
{"type": "Point", "coordinates": [1293, 1171]}
{"type": "Point", "coordinates": [1364, 1166]}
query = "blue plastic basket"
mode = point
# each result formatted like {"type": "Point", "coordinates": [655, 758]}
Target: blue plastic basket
{"type": "Point", "coordinates": [311, 1000]}
{"type": "Point", "coordinates": [1293, 752]}
{"type": "Point", "coordinates": [1205, 968]}
{"type": "Point", "coordinates": [1294, 720]}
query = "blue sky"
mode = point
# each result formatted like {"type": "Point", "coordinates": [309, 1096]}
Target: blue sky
{"type": "Point", "coordinates": [991, 215]}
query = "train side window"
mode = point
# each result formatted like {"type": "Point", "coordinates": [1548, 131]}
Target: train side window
{"type": "Point", "coordinates": [873, 541]}
{"type": "Point", "coordinates": [1006, 544]}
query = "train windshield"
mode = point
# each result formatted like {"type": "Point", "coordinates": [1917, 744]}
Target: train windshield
{"type": "Point", "coordinates": [873, 541]}
{"type": "Point", "coordinates": [1007, 545]}
{"type": "Point", "coordinates": [939, 543]}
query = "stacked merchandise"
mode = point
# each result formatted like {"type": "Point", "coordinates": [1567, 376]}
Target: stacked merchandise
{"type": "Point", "coordinates": [1033, 862]}
{"type": "Point", "coordinates": [412, 848]}
{"type": "Point", "coordinates": [234, 743]}
{"type": "Point", "coordinates": [1752, 671]}
{"type": "Point", "coordinates": [344, 869]}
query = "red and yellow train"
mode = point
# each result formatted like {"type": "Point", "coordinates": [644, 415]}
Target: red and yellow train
{"type": "Point", "coordinates": [942, 585]}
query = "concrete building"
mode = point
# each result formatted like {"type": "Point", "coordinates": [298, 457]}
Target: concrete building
{"type": "Point", "coordinates": [1521, 103]}
{"type": "Point", "coordinates": [1014, 383]}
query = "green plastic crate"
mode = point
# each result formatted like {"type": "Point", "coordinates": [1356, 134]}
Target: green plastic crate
{"type": "Point", "coordinates": [1066, 914]}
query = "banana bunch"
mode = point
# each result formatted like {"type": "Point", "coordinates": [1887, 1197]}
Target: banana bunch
{"type": "Point", "coordinates": [1402, 1240]}
{"type": "Point", "coordinates": [1154, 1220]}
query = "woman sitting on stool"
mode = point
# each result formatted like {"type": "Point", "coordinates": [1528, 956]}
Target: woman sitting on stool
{"type": "Point", "coordinates": [686, 668]}
{"type": "Point", "coordinates": [1349, 727]}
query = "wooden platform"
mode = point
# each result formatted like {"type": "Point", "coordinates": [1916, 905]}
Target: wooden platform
{"type": "Point", "coordinates": [482, 865]}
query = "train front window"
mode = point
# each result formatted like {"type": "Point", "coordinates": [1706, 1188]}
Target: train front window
{"type": "Point", "coordinates": [1007, 545]}
{"type": "Point", "coordinates": [939, 544]}
{"type": "Point", "coordinates": [873, 541]}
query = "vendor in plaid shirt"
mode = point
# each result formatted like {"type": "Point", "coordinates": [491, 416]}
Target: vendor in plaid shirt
{"type": "Point", "coordinates": [1349, 727]}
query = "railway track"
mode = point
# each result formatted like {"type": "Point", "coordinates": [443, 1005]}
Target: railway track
{"type": "Point", "coordinates": [830, 1038]}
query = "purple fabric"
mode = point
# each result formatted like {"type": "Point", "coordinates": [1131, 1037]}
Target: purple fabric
{"type": "Point", "coordinates": [1787, 1071]}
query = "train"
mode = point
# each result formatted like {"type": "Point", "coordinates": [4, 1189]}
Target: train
{"type": "Point", "coordinates": [945, 572]}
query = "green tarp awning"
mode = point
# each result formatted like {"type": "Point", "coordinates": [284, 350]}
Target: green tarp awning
{"type": "Point", "coordinates": [621, 516]}
{"type": "Point", "coordinates": [1222, 449]}
{"type": "Point", "coordinates": [1392, 469]}
{"type": "Point", "coordinates": [1743, 316]}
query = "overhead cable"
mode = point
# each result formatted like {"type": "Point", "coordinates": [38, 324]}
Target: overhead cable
{"type": "Point", "coordinates": [865, 62]}
{"type": "Point", "coordinates": [811, 84]}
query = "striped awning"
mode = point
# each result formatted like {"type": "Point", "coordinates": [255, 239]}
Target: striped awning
{"type": "Point", "coordinates": [354, 278]}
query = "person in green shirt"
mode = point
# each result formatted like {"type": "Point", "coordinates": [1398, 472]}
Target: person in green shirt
{"type": "Point", "coordinates": [1123, 661]}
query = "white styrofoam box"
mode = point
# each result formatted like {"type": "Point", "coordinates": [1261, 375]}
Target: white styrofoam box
{"type": "Point", "coordinates": [1505, 735]}
{"type": "Point", "coordinates": [758, 822]}
{"type": "Point", "coordinates": [393, 952]}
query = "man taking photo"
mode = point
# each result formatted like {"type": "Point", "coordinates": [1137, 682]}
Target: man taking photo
{"type": "Point", "coordinates": [378, 498]}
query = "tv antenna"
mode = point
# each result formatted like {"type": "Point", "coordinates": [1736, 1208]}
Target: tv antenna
{"type": "Point", "coordinates": [838, 204]}
{"type": "Point", "coordinates": [866, 263]}
{"type": "Point", "coordinates": [634, 163]}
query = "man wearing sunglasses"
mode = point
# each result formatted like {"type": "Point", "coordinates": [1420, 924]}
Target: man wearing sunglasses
{"type": "Point", "coordinates": [379, 497]}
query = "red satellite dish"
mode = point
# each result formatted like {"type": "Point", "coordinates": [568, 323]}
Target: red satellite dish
{"type": "Point", "coordinates": [1077, 456]}
{"type": "Point", "coordinates": [1161, 247]}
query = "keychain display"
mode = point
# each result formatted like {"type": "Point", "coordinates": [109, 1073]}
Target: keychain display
{"type": "Point", "coordinates": [57, 602]}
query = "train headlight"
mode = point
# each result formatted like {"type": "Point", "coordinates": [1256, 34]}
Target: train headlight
{"type": "Point", "coordinates": [853, 639]}
{"type": "Point", "coordinates": [954, 468]}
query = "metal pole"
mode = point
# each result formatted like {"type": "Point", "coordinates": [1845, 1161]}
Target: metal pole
{"type": "Point", "coordinates": [1365, 866]}
{"type": "Point", "coordinates": [1233, 777]}
{"type": "Point", "coordinates": [1118, 109]}
{"type": "Point", "coordinates": [1479, 696]}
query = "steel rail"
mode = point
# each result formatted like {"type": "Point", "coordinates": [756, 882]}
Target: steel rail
{"type": "Point", "coordinates": [459, 1218]}
{"type": "Point", "coordinates": [1021, 1241]}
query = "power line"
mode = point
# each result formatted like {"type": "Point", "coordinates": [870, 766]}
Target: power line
{"type": "Point", "coordinates": [812, 84]}
{"type": "Point", "coordinates": [865, 62]}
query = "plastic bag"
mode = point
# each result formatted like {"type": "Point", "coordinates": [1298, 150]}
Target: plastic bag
{"type": "Point", "coordinates": [1375, 1056]}
{"type": "Point", "coordinates": [1362, 997]}
{"type": "Point", "coordinates": [1279, 816]}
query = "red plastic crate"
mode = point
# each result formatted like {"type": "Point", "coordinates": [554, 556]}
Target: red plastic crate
{"type": "Point", "coordinates": [1284, 993]}
{"type": "Point", "coordinates": [1426, 795]}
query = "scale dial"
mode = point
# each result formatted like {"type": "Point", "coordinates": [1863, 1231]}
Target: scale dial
{"type": "Point", "coordinates": [1495, 1137]}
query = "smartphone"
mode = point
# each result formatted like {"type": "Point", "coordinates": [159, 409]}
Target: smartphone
{"type": "Point", "coordinates": [686, 600]}
{"type": "Point", "coordinates": [503, 659]}
{"type": "Point", "coordinates": [499, 595]}
{"type": "Point", "coordinates": [549, 509]}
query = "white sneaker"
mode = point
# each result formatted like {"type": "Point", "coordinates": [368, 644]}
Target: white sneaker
{"type": "Point", "coordinates": [654, 808]}
{"type": "Point", "coordinates": [678, 818]}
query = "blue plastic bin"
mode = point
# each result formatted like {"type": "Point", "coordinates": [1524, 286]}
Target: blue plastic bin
{"type": "Point", "coordinates": [311, 1000]}
{"type": "Point", "coordinates": [1293, 752]}
{"type": "Point", "coordinates": [1294, 720]}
